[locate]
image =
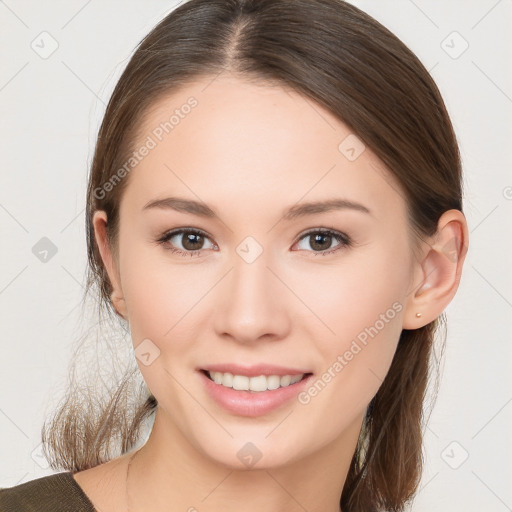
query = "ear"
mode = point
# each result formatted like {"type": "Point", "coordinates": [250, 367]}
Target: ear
{"type": "Point", "coordinates": [437, 275]}
{"type": "Point", "coordinates": [99, 222]}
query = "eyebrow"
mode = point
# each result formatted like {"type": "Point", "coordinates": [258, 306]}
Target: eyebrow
{"type": "Point", "coordinates": [300, 210]}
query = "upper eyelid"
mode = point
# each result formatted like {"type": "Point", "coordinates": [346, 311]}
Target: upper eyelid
{"type": "Point", "coordinates": [178, 231]}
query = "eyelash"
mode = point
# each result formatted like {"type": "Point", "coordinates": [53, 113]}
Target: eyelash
{"type": "Point", "coordinates": [344, 241]}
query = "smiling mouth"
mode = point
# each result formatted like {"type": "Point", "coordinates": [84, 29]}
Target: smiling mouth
{"type": "Point", "coordinates": [256, 384]}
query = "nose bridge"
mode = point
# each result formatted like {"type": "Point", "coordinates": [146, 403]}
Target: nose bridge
{"type": "Point", "coordinates": [251, 280]}
{"type": "Point", "coordinates": [251, 304]}
{"type": "Point", "coordinates": [250, 276]}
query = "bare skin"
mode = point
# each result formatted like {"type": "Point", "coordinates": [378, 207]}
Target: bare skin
{"type": "Point", "coordinates": [250, 152]}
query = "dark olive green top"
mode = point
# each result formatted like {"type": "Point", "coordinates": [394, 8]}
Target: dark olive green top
{"type": "Point", "coordinates": [53, 493]}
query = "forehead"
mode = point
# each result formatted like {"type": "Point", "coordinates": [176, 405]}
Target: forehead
{"type": "Point", "coordinates": [221, 138]}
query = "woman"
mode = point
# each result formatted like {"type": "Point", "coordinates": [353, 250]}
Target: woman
{"type": "Point", "coordinates": [274, 210]}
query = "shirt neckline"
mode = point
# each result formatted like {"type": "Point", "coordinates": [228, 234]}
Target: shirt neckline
{"type": "Point", "coordinates": [81, 492]}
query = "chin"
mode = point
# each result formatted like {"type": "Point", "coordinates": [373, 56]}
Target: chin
{"type": "Point", "coordinates": [252, 452]}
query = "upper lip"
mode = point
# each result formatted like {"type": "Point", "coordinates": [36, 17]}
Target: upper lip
{"type": "Point", "coordinates": [254, 370]}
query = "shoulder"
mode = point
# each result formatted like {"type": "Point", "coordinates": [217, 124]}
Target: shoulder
{"type": "Point", "coordinates": [52, 493]}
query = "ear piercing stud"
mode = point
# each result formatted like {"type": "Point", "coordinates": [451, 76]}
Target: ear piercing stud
{"type": "Point", "coordinates": [418, 315]}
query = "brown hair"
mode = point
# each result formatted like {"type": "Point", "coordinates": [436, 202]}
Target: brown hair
{"type": "Point", "coordinates": [343, 59]}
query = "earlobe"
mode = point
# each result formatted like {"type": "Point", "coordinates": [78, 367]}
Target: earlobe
{"type": "Point", "coordinates": [100, 233]}
{"type": "Point", "coordinates": [119, 304]}
{"type": "Point", "coordinates": [439, 272]}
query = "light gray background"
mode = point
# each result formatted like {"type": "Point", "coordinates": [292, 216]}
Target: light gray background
{"type": "Point", "coordinates": [50, 112]}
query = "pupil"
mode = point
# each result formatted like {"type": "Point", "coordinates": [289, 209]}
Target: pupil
{"type": "Point", "coordinates": [193, 240]}
{"type": "Point", "coordinates": [319, 237]}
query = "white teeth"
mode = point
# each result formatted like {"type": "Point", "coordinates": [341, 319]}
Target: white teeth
{"type": "Point", "coordinates": [226, 379]}
{"type": "Point", "coordinates": [217, 377]}
{"type": "Point", "coordinates": [259, 383]}
{"type": "Point", "coordinates": [296, 379]}
{"type": "Point", "coordinates": [240, 382]}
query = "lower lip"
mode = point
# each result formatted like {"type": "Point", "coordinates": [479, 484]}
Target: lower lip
{"type": "Point", "coordinates": [251, 404]}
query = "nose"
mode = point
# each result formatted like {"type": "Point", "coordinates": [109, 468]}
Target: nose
{"type": "Point", "coordinates": [252, 303]}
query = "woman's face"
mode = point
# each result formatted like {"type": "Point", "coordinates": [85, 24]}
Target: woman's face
{"type": "Point", "coordinates": [255, 283]}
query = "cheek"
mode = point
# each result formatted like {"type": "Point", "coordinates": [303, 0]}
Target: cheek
{"type": "Point", "coordinates": [163, 300]}
{"type": "Point", "coordinates": [351, 294]}
{"type": "Point", "coordinates": [159, 293]}
{"type": "Point", "coordinates": [364, 308]}
{"type": "Point", "coordinates": [360, 304]}
{"type": "Point", "coordinates": [166, 304]}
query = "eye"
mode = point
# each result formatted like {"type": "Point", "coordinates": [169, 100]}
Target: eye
{"type": "Point", "coordinates": [189, 245]}
{"type": "Point", "coordinates": [321, 239]}
{"type": "Point", "coordinates": [190, 242]}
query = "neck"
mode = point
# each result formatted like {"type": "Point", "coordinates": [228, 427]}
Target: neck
{"type": "Point", "coordinates": [168, 473]}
